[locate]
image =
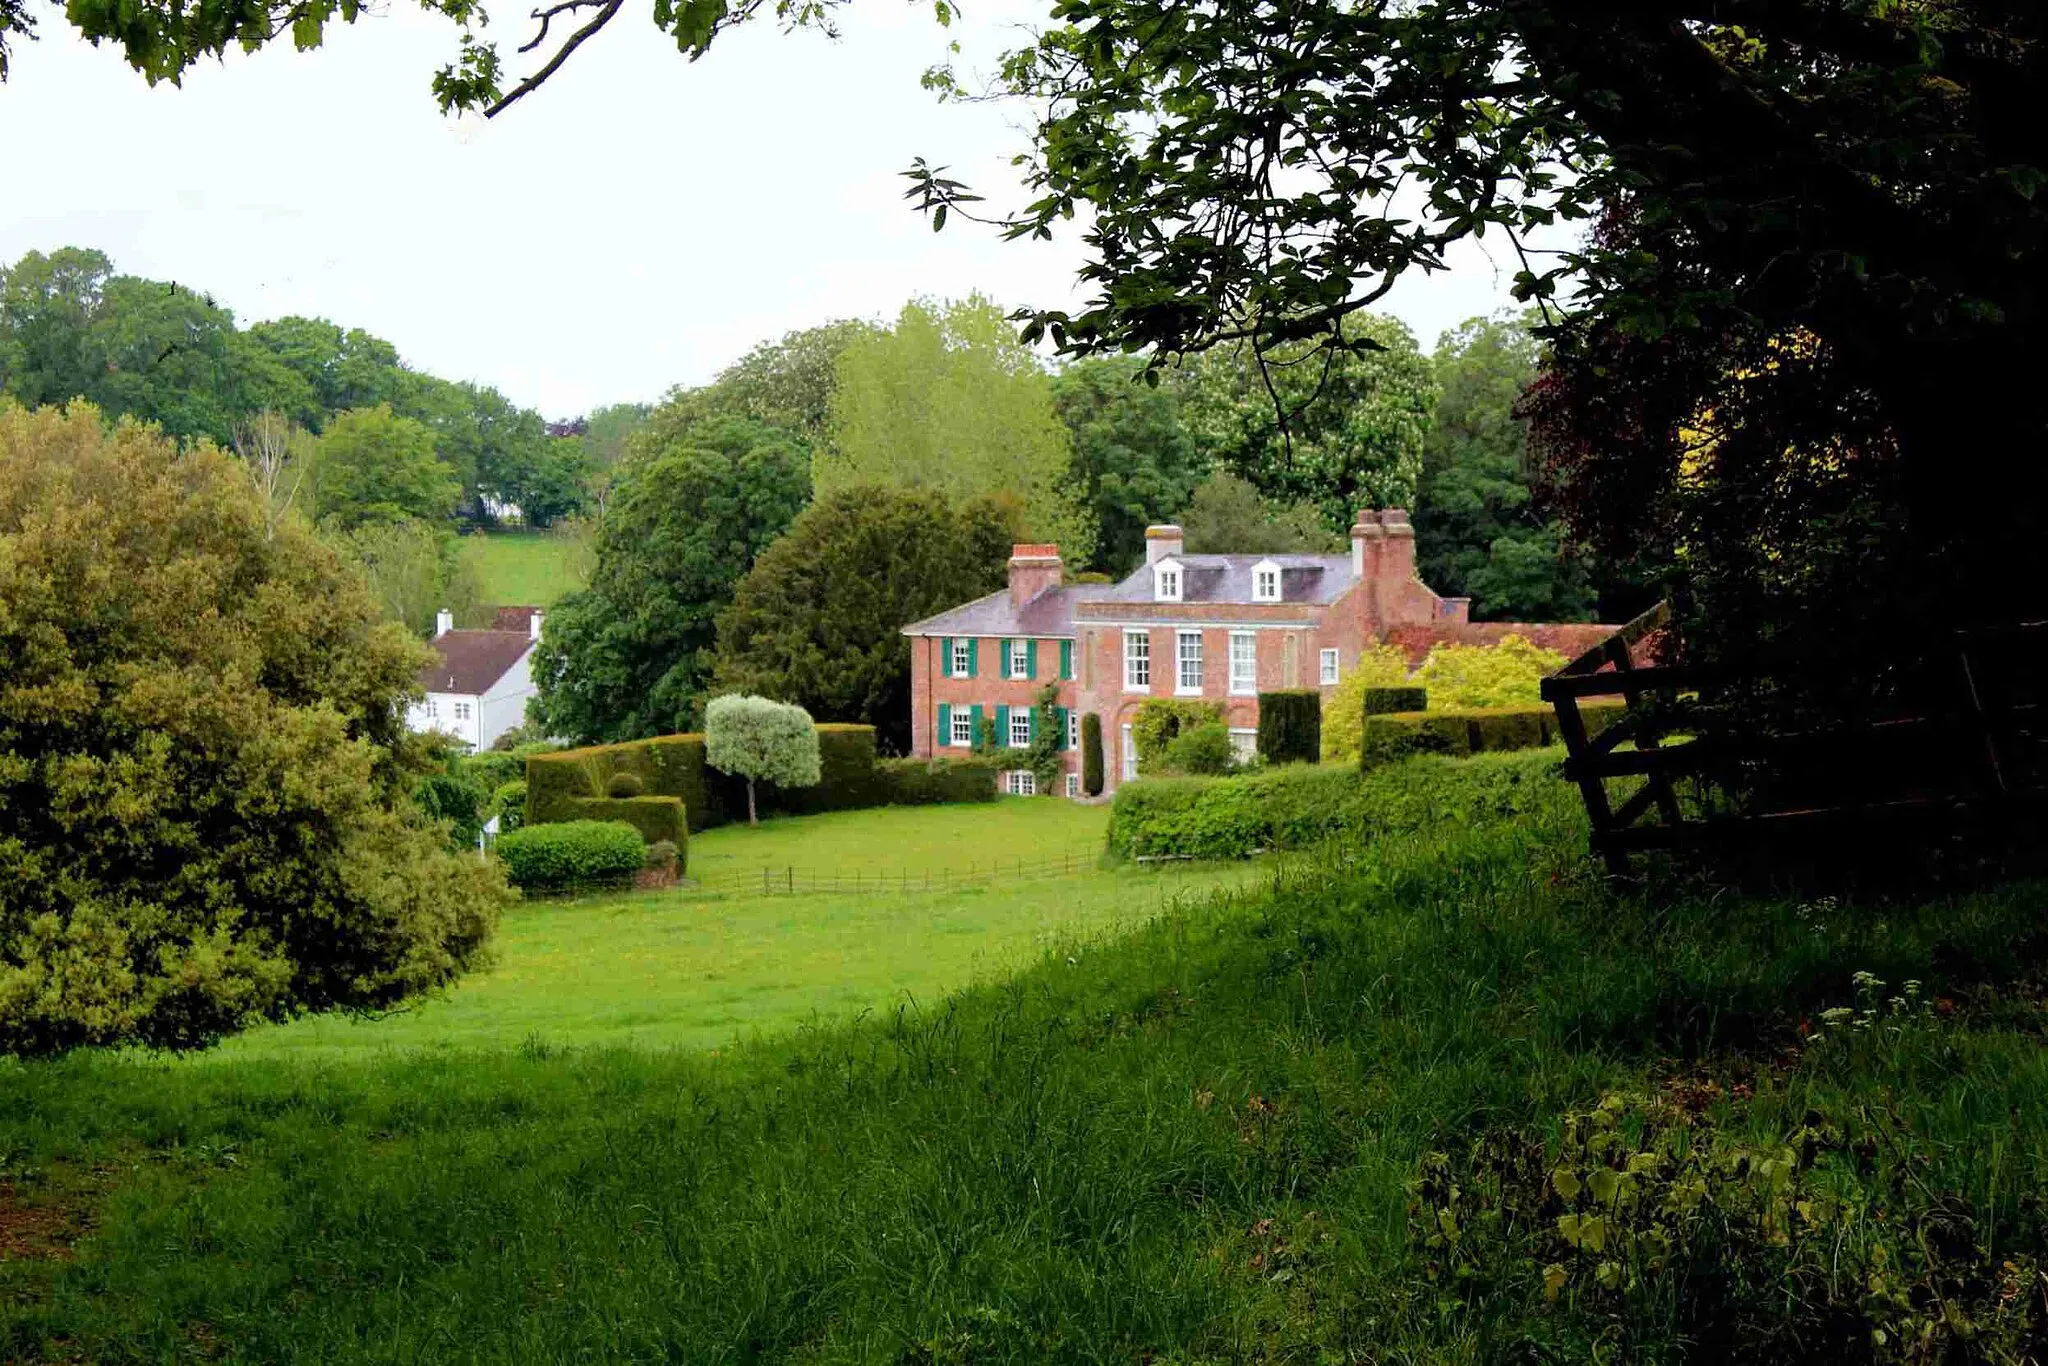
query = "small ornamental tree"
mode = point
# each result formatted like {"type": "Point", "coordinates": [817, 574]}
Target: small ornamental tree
{"type": "Point", "coordinates": [1091, 754]}
{"type": "Point", "coordinates": [762, 741]}
{"type": "Point", "coordinates": [1042, 755]}
{"type": "Point", "coordinates": [1509, 674]}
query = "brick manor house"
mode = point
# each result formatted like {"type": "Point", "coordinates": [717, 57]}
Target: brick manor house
{"type": "Point", "coordinates": [1221, 627]}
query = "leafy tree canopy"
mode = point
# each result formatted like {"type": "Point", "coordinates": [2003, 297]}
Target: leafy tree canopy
{"type": "Point", "coordinates": [1478, 532]}
{"type": "Point", "coordinates": [1135, 462]}
{"type": "Point", "coordinates": [629, 656]}
{"type": "Point", "coordinates": [1228, 516]}
{"type": "Point", "coordinates": [375, 466]}
{"type": "Point", "coordinates": [204, 777]}
{"type": "Point", "coordinates": [1341, 428]}
{"type": "Point", "coordinates": [949, 400]}
{"type": "Point", "coordinates": [818, 619]}
{"type": "Point", "coordinates": [763, 741]}
{"type": "Point", "coordinates": [787, 384]}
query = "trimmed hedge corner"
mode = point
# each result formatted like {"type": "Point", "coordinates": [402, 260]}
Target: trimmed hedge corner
{"type": "Point", "coordinates": [570, 853]}
{"type": "Point", "coordinates": [1291, 726]}
{"type": "Point", "coordinates": [922, 782]}
{"type": "Point", "coordinates": [1381, 700]}
{"type": "Point", "coordinates": [656, 818]}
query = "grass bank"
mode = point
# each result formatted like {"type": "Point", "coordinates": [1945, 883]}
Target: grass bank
{"type": "Point", "coordinates": [522, 568]}
{"type": "Point", "coordinates": [1323, 1119]}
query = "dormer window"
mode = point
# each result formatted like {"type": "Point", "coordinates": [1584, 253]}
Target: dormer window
{"type": "Point", "coordinates": [1166, 580]}
{"type": "Point", "coordinates": [1265, 581]}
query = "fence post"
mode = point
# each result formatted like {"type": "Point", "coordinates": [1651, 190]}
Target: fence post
{"type": "Point", "coordinates": [765, 889]}
{"type": "Point", "coordinates": [790, 869]}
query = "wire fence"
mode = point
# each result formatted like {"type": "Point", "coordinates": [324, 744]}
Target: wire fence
{"type": "Point", "coordinates": [792, 880]}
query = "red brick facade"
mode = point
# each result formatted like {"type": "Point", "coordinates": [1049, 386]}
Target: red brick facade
{"type": "Point", "coordinates": [1279, 614]}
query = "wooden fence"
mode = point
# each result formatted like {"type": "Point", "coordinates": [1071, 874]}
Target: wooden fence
{"type": "Point", "coordinates": [1977, 749]}
{"type": "Point", "coordinates": [791, 880]}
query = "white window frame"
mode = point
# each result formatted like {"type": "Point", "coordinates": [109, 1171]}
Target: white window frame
{"type": "Point", "coordinates": [962, 719]}
{"type": "Point", "coordinates": [957, 665]}
{"type": "Point", "coordinates": [1182, 658]}
{"type": "Point", "coordinates": [1244, 743]}
{"type": "Point", "coordinates": [1017, 663]}
{"type": "Point", "coordinates": [1020, 720]}
{"type": "Point", "coordinates": [462, 710]}
{"type": "Point", "coordinates": [1073, 784]}
{"type": "Point", "coordinates": [1244, 682]}
{"type": "Point", "coordinates": [1266, 581]}
{"type": "Point", "coordinates": [433, 708]}
{"type": "Point", "coordinates": [1167, 581]}
{"type": "Point", "coordinates": [1073, 728]}
{"type": "Point", "coordinates": [1021, 782]}
{"type": "Point", "coordinates": [1331, 668]}
{"type": "Point", "coordinates": [1137, 661]}
{"type": "Point", "coordinates": [1130, 755]}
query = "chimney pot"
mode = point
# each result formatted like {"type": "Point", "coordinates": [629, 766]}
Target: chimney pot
{"type": "Point", "coordinates": [444, 622]}
{"type": "Point", "coordinates": [1162, 542]}
{"type": "Point", "coordinates": [533, 625]}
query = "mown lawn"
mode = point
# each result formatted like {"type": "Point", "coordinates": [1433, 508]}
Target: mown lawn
{"type": "Point", "coordinates": [521, 568]}
{"type": "Point", "coordinates": [685, 969]}
{"type": "Point", "coordinates": [1334, 1116]}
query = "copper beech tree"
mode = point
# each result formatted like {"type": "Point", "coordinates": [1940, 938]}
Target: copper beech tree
{"type": "Point", "coordinates": [204, 775]}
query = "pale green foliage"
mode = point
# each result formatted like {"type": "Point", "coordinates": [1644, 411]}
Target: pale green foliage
{"type": "Point", "coordinates": [1160, 720]}
{"type": "Point", "coordinates": [948, 399]}
{"type": "Point", "coordinates": [414, 569]}
{"type": "Point", "coordinates": [1381, 666]}
{"type": "Point", "coordinates": [761, 740]}
{"type": "Point", "coordinates": [375, 466]}
{"type": "Point", "coordinates": [1503, 675]}
{"type": "Point", "coordinates": [205, 809]}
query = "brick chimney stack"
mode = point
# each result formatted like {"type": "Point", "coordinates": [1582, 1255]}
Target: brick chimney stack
{"type": "Point", "coordinates": [1367, 535]}
{"type": "Point", "coordinates": [1161, 542]}
{"type": "Point", "coordinates": [1397, 558]}
{"type": "Point", "coordinates": [1033, 569]}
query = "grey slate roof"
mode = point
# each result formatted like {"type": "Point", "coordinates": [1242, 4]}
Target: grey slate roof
{"type": "Point", "coordinates": [1228, 579]}
{"type": "Point", "coordinates": [1225, 579]}
{"type": "Point", "coordinates": [1051, 613]}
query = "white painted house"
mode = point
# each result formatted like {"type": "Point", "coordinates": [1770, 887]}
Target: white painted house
{"type": "Point", "coordinates": [477, 686]}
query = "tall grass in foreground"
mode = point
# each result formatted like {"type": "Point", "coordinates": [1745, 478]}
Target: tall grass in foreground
{"type": "Point", "coordinates": [1231, 1136]}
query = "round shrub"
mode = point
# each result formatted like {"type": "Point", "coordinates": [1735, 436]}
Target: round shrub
{"type": "Point", "coordinates": [1203, 751]}
{"type": "Point", "coordinates": [624, 785]}
{"type": "Point", "coordinates": [508, 803]}
{"type": "Point", "coordinates": [565, 853]}
{"type": "Point", "coordinates": [661, 856]}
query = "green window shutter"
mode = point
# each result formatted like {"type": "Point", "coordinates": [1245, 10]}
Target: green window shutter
{"type": "Point", "coordinates": [973, 656]}
{"type": "Point", "coordinates": [1031, 724]}
{"type": "Point", "coordinates": [974, 722]}
{"type": "Point", "coordinates": [945, 656]}
{"type": "Point", "coordinates": [1003, 657]}
{"type": "Point", "coordinates": [1060, 719]}
{"type": "Point", "coordinates": [945, 724]}
{"type": "Point", "coordinates": [1066, 659]}
{"type": "Point", "coordinates": [1002, 727]}
{"type": "Point", "coordinates": [1031, 659]}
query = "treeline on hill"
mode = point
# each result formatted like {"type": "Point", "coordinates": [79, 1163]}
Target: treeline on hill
{"type": "Point", "coordinates": [887, 467]}
{"type": "Point", "coordinates": [773, 530]}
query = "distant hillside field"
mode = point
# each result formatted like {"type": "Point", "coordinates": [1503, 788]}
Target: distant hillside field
{"type": "Point", "coordinates": [522, 568]}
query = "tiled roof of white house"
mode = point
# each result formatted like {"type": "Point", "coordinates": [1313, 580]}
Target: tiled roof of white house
{"type": "Point", "coordinates": [1050, 614]}
{"type": "Point", "coordinates": [1228, 579]}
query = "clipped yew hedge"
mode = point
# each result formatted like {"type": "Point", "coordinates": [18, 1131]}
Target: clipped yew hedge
{"type": "Point", "coordinates": [561, 786]}
{"type": "Point", "coordinates": [656, 818]}
{"type": "Point", "coordinates": [1291, 726]}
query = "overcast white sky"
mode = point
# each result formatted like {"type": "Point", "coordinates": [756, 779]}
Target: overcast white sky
{"type": "Point", "coordinates": [637, 223]}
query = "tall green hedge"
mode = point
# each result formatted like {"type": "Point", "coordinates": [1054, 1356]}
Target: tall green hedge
{"type": "Point", "coordinates": [1405, 698]}
{"type": "Point", "coordinates": [1291, 726]}
{"type": "Point", "coordinates": [926, 782]}
{"type": "Point", "coordinates": [1091, 754]}
{"type": "Point", "coordinates": [672, 766]}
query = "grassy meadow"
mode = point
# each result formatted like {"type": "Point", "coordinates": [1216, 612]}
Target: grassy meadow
{"type": "Point", "coordinates": [1443, 1095]}
{"type": "Point", "coordinates": [522, 568]}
